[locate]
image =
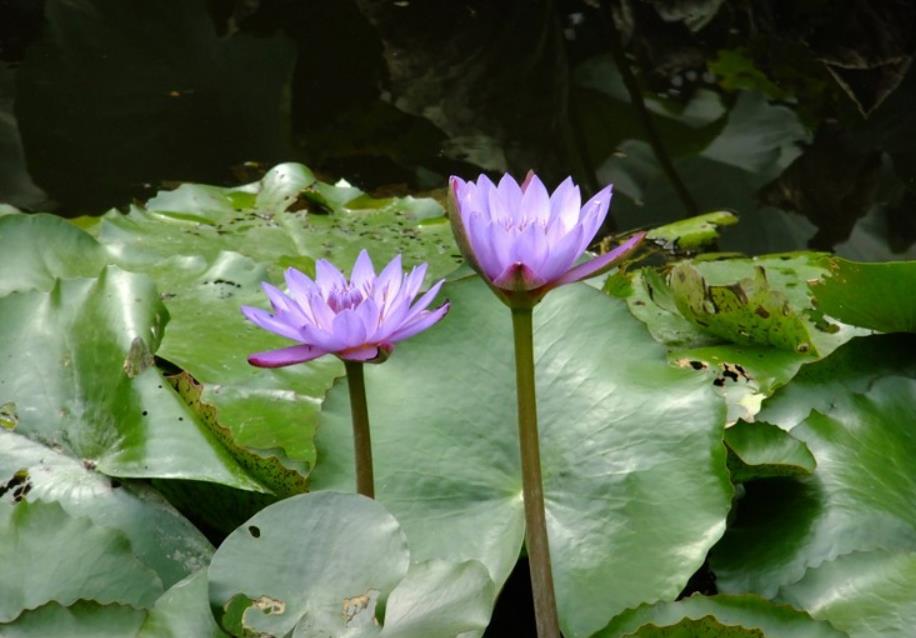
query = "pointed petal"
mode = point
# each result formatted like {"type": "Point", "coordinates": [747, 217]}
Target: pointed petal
{"type": "Point", "coordinates": [505, 200]}
{"type": "Point", "coordinates": [423, 302]}
{"type": "Point", "coordinates": [369, 313]}
{"type": "Point", "coordinates": [535, 202]}
{"type": "Point", "coordinates": [363, 273]}
{"type": "Point", "coordinates": [595, 210]}
{"type": "Point", "coordinates": [299, 284]}
{"type": "Point", "coordinates": [328, 277]}
{"type": "Point", "coordinates": [456, 220]}
{"type": "Point", "coordinates": [600, 264]}
{"type": "Point", "coordinates": [565, 204]}
{"type": "Point", "coordinates": [264, 320]}
{"type": "Point", "coordinates": [531, 248]}
{"type": "Point", "coordinates": [285, 356]}
{"type": "Point", "coordinates": [277, 299]}
{"type": "Point", "coordinates": [479, 234]}
{"type": "Point", "coordinates": [421, 323]}
{"type": "Point", "coordinates": [563, 254]}
{"type": "Point", "coordinates": [528, 177]}
{"type": "Point", "coordinates": [327, 341]}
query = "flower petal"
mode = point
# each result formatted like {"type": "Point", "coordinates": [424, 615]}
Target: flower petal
{"type": "Point", "coordinates": [421, 323]}
{"type": "Point", "coordinates": [363, 273]}
{"type": "Point", "coordinates": [563, 254]}
{"type": "Point", "coordinates": [423, 302]}
{"type": "Point", "coordinates": [599, 264]}
{"type": "Point", "coordinates": [456, 213]}
{"type": "Point", "coordinates": [595, 211]}
{"type": "Point", "coordinates": [531, 248]}
{"type": "Point", "coordinates": [565, 204]}
{"type": "Point", "coordinates": [349, 329]}
{"type": "Point", "coordinates": [264, 320]}
{"type": "Point", "coordinates": [535, 202]}
{"type": "Point", "coordinates": [285, 356]}
{"type": "Point", "coordinates": [328, 277]}
{"type": "Point", "coordinates": [480, 235]}
{"type": "Point", "coordinates": [505, 200]}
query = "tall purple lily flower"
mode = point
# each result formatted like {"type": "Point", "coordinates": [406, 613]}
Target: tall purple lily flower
{"type": "Point", "coordinates": [524, 241]}
{"type": "Point", "coordinates": [359, 320]}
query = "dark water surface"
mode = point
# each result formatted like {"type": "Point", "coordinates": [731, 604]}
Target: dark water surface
{"type": "Point", "coordinates": [799, 116]}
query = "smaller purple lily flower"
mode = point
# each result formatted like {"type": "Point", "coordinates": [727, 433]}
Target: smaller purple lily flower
{"type": "Point", "coordinates": [524, 241]}
{"type": "Point", "coordinates": [357, 320]}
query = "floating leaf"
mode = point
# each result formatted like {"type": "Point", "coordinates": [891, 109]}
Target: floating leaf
{"type": "Point", "coordinates": [82, 619]}
{"type": "Point", "coordinates": [860, 498]}
{"type": "Point", "coordinates": [643, 453]}
{"type": "Point", "coordinates": [745, 616]}
{"type": "Point", "coordinates": [182, 612]}
{"type": "Point", "coordinates": [48, 555]}
{"type": "Point", "coordinates": [876, 296]}
{"type": "Point", "coordinates": [760, 450]}
{"type": "Point", "coordinates": [318, 564]}
{"type": "Point", "coordinates": [866, 594]}
{"type": "Point", "coordinates": [693, 233]}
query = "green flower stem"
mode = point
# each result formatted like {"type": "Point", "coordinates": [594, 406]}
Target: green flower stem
{"type": "Point", "coordinates": [362, 444]}
{"type": "Point", "coordinates": [545, 605]}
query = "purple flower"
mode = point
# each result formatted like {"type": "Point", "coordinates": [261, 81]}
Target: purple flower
{"type": "Point", "coordinates": [525, 242]}
{"type": "Point", "coordinates": [357, 320]}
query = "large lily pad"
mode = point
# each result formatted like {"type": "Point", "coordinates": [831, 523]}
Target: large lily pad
{"type": "Point", "coordinates": [762, 450]}
{"type": "Point", "coordinates": [634, 467]}
{"type": "Point", "coordinates": [866, 594]}
{"type": "Point", "coordinates": [87, 345]}
{"type": "Point", "coordinates": [318, 564]}
{"type": "Point", "coordinates": [208, 249]}
{"type": "Point", "coordinates": [860, 498]}
{"type": "Point", "coordinates": [721, 616]}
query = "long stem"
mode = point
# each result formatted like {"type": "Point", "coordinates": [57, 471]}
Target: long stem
{"type": "Point", "coordinates": [545, 606]}
{"type": "Point", "coordinates": [362, 444]}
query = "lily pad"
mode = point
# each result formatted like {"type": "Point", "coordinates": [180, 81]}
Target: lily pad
{"type": "Point", "coordinates": [318, 564]}
{"type": "Point", "coordinates": [88, 346]}
{"type": "Point", "coordinates": [83, 619]}
{"type": "Point", "coordinates": [48, 555]}
{"type": "Point", "coordinates": [37, 249]}
{"type": "Point", "coordinates": [158, 535]}
{"type": "Point", "coordinates": [866, 594]}
{"type": "Point", "coordinates": [183, 611]}
{"type": "Point", "coordinates": [693, 233]}
{"type": "Point", "coordinates": [859, 499]}
{"type": "Point", "coordinates": [876, 296]}
{"type": "Point", "coordinates": [760, 450]}
{"type": "Point", "coordinates": [208, 248]}
{"type": "Point", "coordinates": [634, 468]}
{"type": "Point", "coordinates": [722, 616]}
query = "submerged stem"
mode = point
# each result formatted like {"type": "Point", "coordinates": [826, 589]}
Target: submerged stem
{"type": "Point", "coordinates": [545, 606]}
{"type": "Point", "coordinates": [362, 444]}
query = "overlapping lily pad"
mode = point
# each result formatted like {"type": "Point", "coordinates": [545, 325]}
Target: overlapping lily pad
{"type": "Point", "coordinates": [208, 249]}
{"type": "Point", "coordinates": [860, 498]}
{"type": "Point", "coordinates": [721, 616]}
{"type": "Point", "coordinates": [634, 467]}
{"type": "Point", "coordinates": [866, 594]}
{"type": "Point", "coordinates": [761, 450]}
{"type": "Point", "coordinates": [319, 565]}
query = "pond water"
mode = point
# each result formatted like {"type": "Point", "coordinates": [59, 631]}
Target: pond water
{"type": "Point", "coordinates": [796, 116]}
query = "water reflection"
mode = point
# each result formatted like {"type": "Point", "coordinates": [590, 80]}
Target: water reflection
{"type": "Point", "coordinates": [795, 115]}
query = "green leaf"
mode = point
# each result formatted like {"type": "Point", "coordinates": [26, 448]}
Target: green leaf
{"type": "Point", "coordinates": [182, 612]}
{"type": "Point", "coordinates": [83, 619]}
{"type": "Point", "coordinates": [48, 555]}
{"type": "Point", "coordinates": [87, 345]}
{"type": "Point", "coordinates": [630, 446]}
{"type": "Point", "coordinates": [317, 564]}
{"type": "Point", "coordinates": [209, 248]}
{"type": "Point", "coordinates": [693, 233]}
{"type": "Point", "coordinates": [860, 498]}
{"type": "Point", "coordinates": [717, 617]}
{"type": "Point", "coordinates": [158, 535]}
{"type": "Point", "coordinates": [760, 450]}
{"type": "Point", "coordinates": [876, 296]}
{"type": "Point", "coordinates": [866, 594]}
{"type": "Point", "coordinates": [37, 249]}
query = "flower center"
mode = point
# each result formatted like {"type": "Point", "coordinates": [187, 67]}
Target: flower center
{"type": "Point", "coordinates": [344, 298]}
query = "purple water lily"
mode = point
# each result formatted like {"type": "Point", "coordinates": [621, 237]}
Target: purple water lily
{"type": "Point", "coordinates": [520, 239]}
{"type": "Point", "coordinates": [357, 320]}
